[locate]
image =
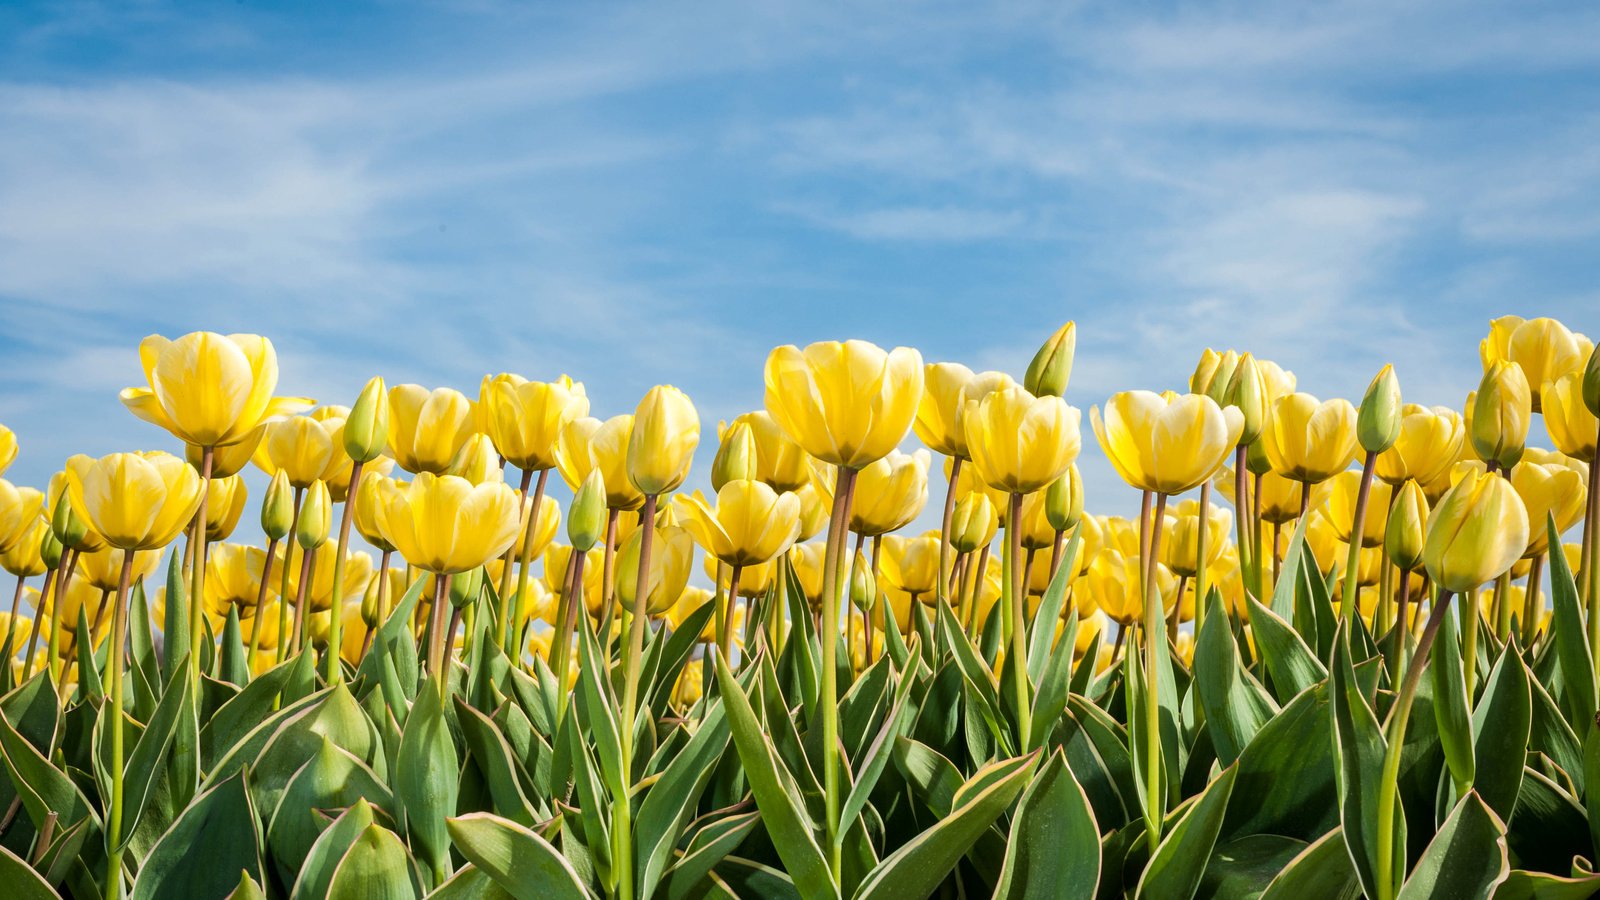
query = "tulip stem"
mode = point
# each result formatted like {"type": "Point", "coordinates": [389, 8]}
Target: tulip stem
{"type": "Point", "coordinates": [1388, 787]}
{"type": "Point", "coordinates": [307, 572]}
{"type": "Point", "coordinates": [1532, 606]}
{"type": "Point", "coordinates": [566, 620]}
{"type": "Point", "coordinates": [974, 577]}
{"type": "Point", "coordinates": [504, 587]}
{"type": "Point", "coordinates": [838, 523]}
{"type": "Point", "coordinates": [260, 612]}
{"type": "Point", "coordinates": [511, 633]}
{"type": "Point", "coordinates": [1241, 528]}
{"type": "Point", "coordinates": [11, 623]}
{"type": "Point", "coordinates": [1055, 553]}
{"type": "Point", "coordinates": [1155, 804]}
{"type": "Point", "coordinates": [119, 636]}
{"type": "Point", "coordinates": [1402, 626]}
{"type": "Point", "coordinates": [335, 617]}
{"type": "Point", "coordinates": [1358, 531]}
{"type": "Point", "coordinates": [437, 648]}
{"type": "Point", "coordinates": [945, 561]}
{"type": "Point", "coordinates": [53, 650]}
{"type": "Point", "coordinates": [1019, 621]}
{"type": "Point", "coordinates": [1258, 571]}
{"type": "Point", "coordinates": [1469, 637]}
{"type": "Point", "coordinates": [608, 578]}
{"type": "Point", "coordinates": [197, 588]}
{"type": "Point", "coordinates": [283, 580]}
{"type": "Point", "coordinates": [38, 618]}
{"type": "Point", "coordinates": [622, 807]}
{"type": "Point", "coordinates": [1202, 537]}
{"type": "Point", "coordinates": [725, 639]}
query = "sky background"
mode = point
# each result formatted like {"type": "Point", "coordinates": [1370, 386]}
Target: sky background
{"type": "Point", "coordinates": [661, 192]}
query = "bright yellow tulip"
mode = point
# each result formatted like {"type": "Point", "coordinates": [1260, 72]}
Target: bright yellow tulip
{"type": "Point", "coordinates": [666, 429]}
{"type": "Point", "coordinates": [8, 448]}
{"type": "Point", "coordinates": [779, 461]}
{"type": "Point", "coordinates": [754, 580]}
{"type": "Point", "coordinates": [358, 574]}
{"type": "Point", "coordinates": [1166, 443]}
{"type": "Point", "coordinates": [233, 577]}
{"type": "Point", "coordinates": [1181, 551]}
{"type": "Point", "coordinates": [367, 500]}
{"type": "Point", "coordinates": [24, 558]}
{"type": "Point", "coordinates": [525, 418]}
{"type": "Point", "coordinates": [587, 444]}
{"type": "Point", "coordinates": [444, 524]}
{"type": "Point", "coordinates": [845, 403]}
{"type": "Point", "coordinates": [1548, 489]}
{"type": "Point", "coordinates": [1020, 443]}
{"type": "Point", "coordinates": [890, 492]}
{"type": "Point", "coordinates": [136, 501]}
{"type": "Point", "coordinates": [428, 428]}
{"type": "Point", "coordinates": [1476, 532]}
{"type": "Point", "coordinates": [1309, 440]}
{"type": "Point", "coordinates": [229, 459]}
{"type": "Point", "coordinates": [1341, 509]}
{"type": "Point", "coordinates": [477, 461]}
{"type": "Point", "coordinates": [751, 523]}
{"type": "Point", "coordinates": [1543, 348]}
{"type": "Point", "coordinates": [556, 559]}
{"type": "Point", "coordinates": [103, 567]}
{"type": "Point", "coordinates": [225, 502]}
{"type": "Point", "coordinates": [1429, 444]}
{"type": "Point", "coordinates": [299, 446]}
{"type": "Point", "coordinates": [1573, 428]}
{"type": "Point", "coordinates": [912, 564]}
{"type": "Point", "coordinates": [209, 389]}
{"type": "Point", "coordinates": [805, 563]}
{"type": "Point", "coordinates": [947, 388]}
{"type": "Point", "coordinates": [973, 523]}
{"type": "Point", "coordinates": [671, 559]}
{"type": "Point", "coordinates": [20, 507]}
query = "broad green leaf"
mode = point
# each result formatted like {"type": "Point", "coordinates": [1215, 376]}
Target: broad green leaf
{"type": "Point", "coordinates": [218, 828]}
{"type": "Point", "coordinates": [673, 798]}
{"type": "Point", "coordinates": [1361, 749]}
{"type": "Point", "coordinates": [21, 881]}
{"type": "Point", "coordinates": [875, 757]}
{"type": "Point", "coordinates": [425, 781]}
{"type": "Point", "coordinates": [709, 846]}
{"type": "Point", "coordinates": [175, 625]}
{"type": "Point", "coordinates": [1245, 867]}
{"type": "Point", "coordinates": [1521, 884]}
{"type": "Point", "coordinates": [490, 751]}
{"type": "Point", "coordinates": [470, 883]}
{"type": "Point", "coordinates": [376, 867]}
{"type": "Point", "coordinates": [1466, 859]}
{"type": "Point", "coordinates": [316, 872]}
{"type": "Point", "coordinates": [521, 862]}
{"type": "Point", "coordinates": [1042, 633]}
{"type": "Point", "coordinates": [1054, 847]}
{"type": "Point", "coordinates": [240, 715]}
{"type": "Point", "coordinates": [1291, 665]}
{"type": "Point", "coordinates": [1502, 722]}
{"type": "Point", "coordinates": [1235, 706]}
{"type": "Point", "coordinates": [1567, 630]}
{"type": "Point", "coordinates": [1053, 685]}
{"type": "Point", "coordinates": [332, 779]}
{"type": "Point", "coordinates": [1450, 712]}
{"type": "Point", "coordinates": [1180, 860]}
{"type": "Point", "coordinates": [1322, 871]}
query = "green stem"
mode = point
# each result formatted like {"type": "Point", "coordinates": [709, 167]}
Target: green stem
{"type": "Point", "coordinates": [622, 807]}
{"type": "Point", "coordinates": [725, 638]}
{"type": "Point", "coordinates": [335, 616]}
{"type": "Point", "coordinates": [504, 587]}
{"type": "Point", "coordinates": [1358, 533]}
{"type": "Point", "coordinates": [943, 584]}
{"type": "Point", "coordinates": [1155, 802]}
{"type": "Point", "coordinates": [283, 580]}
{"type": "Point", "coordinates": [38, 617]}
{"type": "Point", "coordinates": [513, 635]}
{"type": "Point", "coordinates": [1015, 590]}
{"type": "Point", "coordinates": [1202, 538]}
{"type": "Point", "coordinates": [1241, 522]}
{"type": "Point", "coordinates": [258, 616]}
{"type": "Point", "coordinates": [838, 526]}
{"type": "Point", "coordinates": [566, 620]}
{"type": "Point", "coordinates": [1389, 786]}
{"type": "Point", "coordinates": [197, 585]}
{"type": "Point", "coordinates": [1591, 571]}
{"type": "Point", "coordinates": [1469, 637]}
{"type": "Point", "coordinates": [437, 648]}
{"type": "Point", "coordinates": [119, 637]}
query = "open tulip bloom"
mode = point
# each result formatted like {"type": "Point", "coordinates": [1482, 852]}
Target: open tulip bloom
{"type": "Point", "coordinates": [895, 648]}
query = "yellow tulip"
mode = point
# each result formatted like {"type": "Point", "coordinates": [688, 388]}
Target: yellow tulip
{"type": "Point", "coordinates": [587, 444]}
{"type": "Point", "coordinates": [1309, 440]}
{"type": "Point", "coordinates": [17, 628]}
{"type": "Point", "coordinates": [8, 448]}
{"type": "Point", "coordinates": [845, 403]}
{"type": "Point", "coordinates": [779, 461]}
{"type": "Point", "coordinates": [1166, 443]}
{"type": "Point", "coordinates": [1549, 489]}
{"type": "Point", "coordinates": [973, 523]}
{"type": "Point", "coordinates": [751, 523]}
{"type": "Point", "coordinates": [80, 597]}
{"type": "Point", "coordinates": [336, 474]}
{"type": "Point", "coordinates": [316, 517]}
{"type": "Point", "coordinates": [813, 511]}
{"type": "Point", "coordinates": [25, 557]}
{"type": "Point", "coordinates": [1280, 496]}
{"type": "Point", "coordinates": [136, 501]}
{"type": "Point", "coordinates": [1476, 532]}
{"type": "Point", "coordinates": [1120, 534]}
{"type": "Point", "coordinates": [20, 507]}
{"type": "Point", "coordinates": [890, 492]}
{"type": "Point", "coordinates": [1429, 443]}
{"type": "Point", "coordinates": [428, 428]}
{"type": "Point", "coordinates": [688, 603]}
{"type": "Point", "coordinates": [556, 559]}
{"type": "Point", "coordinates": [477, 461]}
{"type": "Point", "coordinates": [754, 580]}
{"type": "Point", "coordinates": [912, 564]}
{"type": "Point", "coordinates": [229, 459]}
{"type": "Point", "coordinates": [1038, 533]}
{"type": "Point", "coordinates": [1405, 532]}
{"type": "Point", "coordinates": [1543, 348]}
{"type": "Point", "coordinates": [1498, 415]}
{"type": "Point", "coordinates": [947, 388]}
{"type": "Point", "coordinates": [444, 524]}
{"type": "Point", "coordinates": [1182, 550]}
{"type": "Point", "coordinates": [103, 567]}
{"type": "Point", "coordinates": [666, 429]}
{"type": "Point", "coordinates": [365, 517]}
{"type": "Point", "coordinates": [1573, 428]}
{"type": "Point", "coordinates": [1322, 539]}
{"type": "Point", "coordinates": [525, 418]}
{"type": "Point", "coordinates": [233, 577]}
{"type": "Point", "coordinates": [299, 446]}
{"type": "Point", "coordinates": [1113, 583]}
{"type": "Point", "coordinates": [1020, 443]}
{"type": "Point", "coordinates": [671, 559]}
{"type": "Point", "coordinates": [1341, 510]}
{"type": "Point", "coordinates": [225, 502]}
{"type": "Point", "coordinates": [358, 574]}
{"type": "Point", "coordinates": [545, 527]}
{"type": "Point", "coordinates": [805, 563]}
{"type": "Point", "coordinates": [209, 389]}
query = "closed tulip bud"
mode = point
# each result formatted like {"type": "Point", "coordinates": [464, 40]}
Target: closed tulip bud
{"type": "Point", "coordinates": [136, 501]}
{"type": "Point", "coordinates": [316, 517]}
{"type": "Point", "coordinates": [973, 523]}
{"type": "Point", "coordinates": [736, 458]}
{"type": "Point", "coordinates": [1591, 383]}
{"type": "Point", "coordinates": [465, 587]}
{"type": "Point", "coordinates": [1214, 374]}
{"type": "Point", "coordinates": [671, 559]}
{"type": "Point", "coordinates": [666, 429]}
{"type": "Point", "coordinates": [70, 528]}
{"type": "Point", "coordinates": [586, 520]}
{"type": "Point", "coordinates": [1063, 500]}
{"type": "Point", "coordinates": [525, 418]}
{"type": "Point", "coordinates": [1378, 420]}
{"type": "Point", "coordinates": [225, 502]}
{"type": "Point", "coordinates": [50, 549]}
{"type": "Point", "coordinates": [277, 510]}
{"type": "Point", "coordinates": [1247, 392]}
{"type": "Point", "coordinates": [779, 461]}
{"type": "Point", "coordinates": [1405, 532]}
{"type": "Point", "coordinates": [366, 429]}
{"type": "Point", "coordinates": [1477, 531]}
{"type": "Point", "coordinates": [1501, 411]}
{"type": "Point", "coordinates": [1256, 460]}
{"type": "Point", "coordinates": [863, 592]}
{"type": "Point", "coordinates": [1051, 367]}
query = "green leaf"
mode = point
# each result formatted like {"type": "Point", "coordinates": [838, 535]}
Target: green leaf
{"type": "Point", "coordinates": [1525, 885]}
{"type": "Point", "coordinates": [244, 712]}
{"type": "Point", "coordinates": [1180, 861]}
{"type": "Point", "coordinates": [1054, 684]}
{"type": "Point", "coordinates": [1293, 562]}
{"type": "Point", "coordinates": [674, 797]}
{"type": "Point", "coordinates": [470, 883]}
{"type": "Point", "coordinates": [425, 781]}
{"type": "Point", "coordinates": [1054, 847]}
{"type": "Point", "coordinates": [1245, 867]}
{"type": "Point", "coordinates": [872, 761]}
{"type": "Point", "coordinates": [1466, 859]}
{"type": "Point", "coordinates": [709, 846]}
{"type": "Point", "coordinates": [1502, 723]}
{"type": "Point", "coordinates": [1572, 646]}
{"type": "Point", "coordinates": [1235, 706]}
{"type": "Point", "coordinates": [332, 779]}
{"type": "Point", "coordinates": [782, 809]}
{"type": "Point", "coordinates": [1290, 664]}
{"type": "Point", "coordinates": [1361, 749]}
{"type": "Point", "coordinates": [1452, 718]}
{"type": "Point", "coordinates": [21, 881]}
{"type": "Point", "coordinates": [489, 749]}
{"type": "Point", "coordinates": [917, 868]}
{"type": "Point", "coordinates": [147, 763]}
{"type": "Point", "coordinates": [218, 828]}
{"type": "Point", "coordinates": [979, 678]}
{"type": "Point", "coordinates": [376, 867]}
{"type": "Point", "coordinates": [1322, 871]}
{"type": "Point", "coordinates": [316, 871]}
{"type": "Point", "coordinates": [1042, 636]}
{"type": "Point", "coordinates": [521, 862]}
{"type": "Point", "coordinates": [175, 626]}
{"type": "Point", "coordinates": [233, 664]}
{"type": "Point", "coordinates": [44, 788]}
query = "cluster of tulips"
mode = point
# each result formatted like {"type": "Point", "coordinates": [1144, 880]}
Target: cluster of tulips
{"type": "Point", "coordinates": [1028, 699]}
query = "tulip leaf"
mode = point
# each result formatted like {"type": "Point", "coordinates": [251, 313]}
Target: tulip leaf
{"type": "Point", "coordinates": [1361, 749]}
{"type": "Point", "coordinates": [674, 797]}
{"type": "Point", "coordinates": [21, 881]}
{"type": "Point", "coordinates": [332, 779]}
{"type": "Point", "coordinates": [675, 653]}
{"type": "Point", "coordinates": [470, 883]}
{"type": "Point", "coordinates": [1053, 686]}
{"type": "Point", "coordinates": [1550, 825]}
{"type": "Point", "coordinates": [244, 712]}
{"type": "Point", "coordinates": [1451, 716]}
{"type": "Point", "coordinates": [317, 867]}
{"type": "Point", "coordinates": [493, 756]}
{"type": "Point", "coordinates": [1521, 884]}
{"type": "Point", "coordinates": [871, 762]}
{"type": "Point", "coordinates": [425, 785]}
{"type": "Point", "coordinates": [376, 867]}
{"type": "Point", "coordinates": [1502, 723]}
{"type": "Point", "coordinates": [1235, 706]}
{"type": "Point", "coordinates": [1042, 639]}
{"type": "Point", "coordinates": [1244, 867]}
{"type": "Point", "coordinates": [1291, 665]}
{"type": "Point", "coordinates": [147, 763]}
{"type": "Point", "coordinates": [1322, 871]}
{"type": "Point", "coordinates": [175, 622]}
{"type": "Point", "coordinates": [1568, 632]}
{"type": "Point", "coordinates": [708, 847]}
{"type": "Point", "coordinates": [979, 678]}
{"type": "Point", "coordinates": [233, 665]}
{"type": "Point", "coordinates": [89, 685]}
{"type": "Point", "coordinates": [247, 889]}
{"type": "Point", "coordinates": [600, 713]}
{"type": "Point", "coordinates": [1054, 846]}
{"type": "Point", "coordinates": [1294, 561]}
{"type": "Point", "coordinates": [521, 862]}
{"type": "Point", "coordinates": [782, 810]}
{"type": "Point", "coordinates": [1180, 861]}
{"type": "Point", "coordinates": [916, 869]}
{"type": "Point", "coordinates": [44, 789]}
{"type": "Point", "coordinates": [219, 828]}
{"type": "Point", "coordinates": [1466, 859]}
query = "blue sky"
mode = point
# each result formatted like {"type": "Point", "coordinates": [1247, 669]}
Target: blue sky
{"type": "Point", "coordinates": [643, 193]}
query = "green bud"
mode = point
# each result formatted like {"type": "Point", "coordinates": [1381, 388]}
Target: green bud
{"type": "Point", "coordinates": [316, 516]}
{"type": "Point", "coordinates": [1247, 391]}
{"type": "Point", "coordinates": [1591, 382]}
{"type": "Point", "coordinates": [1063, 500]}
{"type": "Point", "coordinates": [1405, 535]}
{"type": "Point", "coordinates": [68, 528]}
{"type": "Point", "coordinates": [277, 510]}
{"type": "Point", "coordinates": [736, 457]}
{"type": "Point", "coordinates": [1051, 367]}
{"type": "Point", "coordinates": [50, 550]}
{"type": "Point", "coordinates": [586, 519]}
{"type": "Point", "coordinates": [366, 429]}
{"type": "Point", "coordinates": [1378, 421]}
{"type": "Point", "coordinates": [1255, 459]}
{"type": "Point", "coordinates": [465, 587]}
{"type": "Point", "coordinates": [973, 522]}
{"type": "Point", "coordinates": [1499, 415]}
{"type": "Point", "coordinates": [863, 593]}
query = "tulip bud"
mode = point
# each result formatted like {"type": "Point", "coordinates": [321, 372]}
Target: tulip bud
{"type": "Point", "coordinates": [277, 510]}
{"type": "Point", "coordinates": [316, 516]}
{"type": "Point", "coordinates": [1500, 414]}
{"type": "Point", "coordinates": [67, 526]}
{"type": "Point", "coordinates": [1051, 367]}
{"type": "Point", "coordinates": [973, 523]}
{"type": "Point", "coordinates": [1478, 531]}
{"type": "Point", "coordinates": [1591, 382]}
{"type": "Point", "coordinates": [1404, 536]}
{"type": "Point", "coordinates": [1378, 419]}
{"type": "Point", "coordinates": [1248, 392]}
{"type": "Point", "coordinates": [666, 430]}
{"type": "Point", "coordinates": [1256, 461]}
{"type": "Point", "coordinates": [1222, 378]}
{"type": "Point", "coordinates": [50, 550]}
{"type": "Point", "coordinates": [369, 602]}
{"type": "Point", "coordinates": [465, 587]}
{"type": "Point", "coordinates": [366, 429]}
{"type": "Point", "coordinates": [1063, 500]}
{"type": "Point", "coordinates": [736, 457]}
{"type": "Point", "coordinates": [863, 593]}
{"type": "Point", "coordinates": [586, 520]}
{"type": "Point", "coordinates": [1205, 372]}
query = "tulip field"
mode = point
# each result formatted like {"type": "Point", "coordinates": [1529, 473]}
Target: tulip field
{"type": "Point", "coordinates": [1346, 648]}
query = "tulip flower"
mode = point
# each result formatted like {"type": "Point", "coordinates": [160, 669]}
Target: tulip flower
{"type": "Point", "coordinates": [779, 461]}
{"type": "Point", "coordinates": [1166, 443]}
{"type": "Point", "coordinates": [20, 507]}
{"type": "Point", "coordinates": [8, 448]}
{"type": "Point", "coordinates": [912, 564]}
{"type": "Point", "coordinates": [1309, 440]}
{"type": "Point", "coordinates": [225, 502]}
{"type": "Point", "coordinates": [25, 557]}
{"type": "Point", "coordinates": [1543, 348]}
{"type": "Point", "coordinates": [751, 525]}
{"type": "Point", "coordinates": [736, 456]}
{"type": "Point", "coordinates": [1183, 551]}
{"type": "Point", "coordinates": [1428, 443]}
{"type": "Point", "coordinates": [102, 569]}
{"type": "Point", "coordinates": [525, 418]}
{"type": "Point", "coordinates": [234, 578]}
{"type": "Point", "coordinates": [1498, 416]}
{"type": "Point", "coordinates": [668, 573]}
{"type": "Point", "coordinates": [209, 389]}
{"type": "Point", "coordinates": [427, 429]}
